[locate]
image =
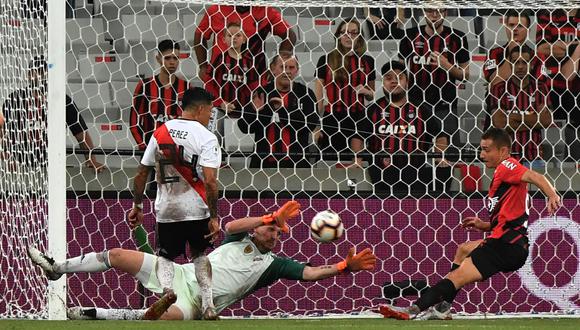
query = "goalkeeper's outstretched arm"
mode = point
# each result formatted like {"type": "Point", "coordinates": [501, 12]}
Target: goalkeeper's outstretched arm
{"type": "Point", "coordinates": [364, 260]}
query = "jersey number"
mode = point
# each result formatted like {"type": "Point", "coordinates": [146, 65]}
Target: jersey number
{"type": "Point", "coordinates": [175, 156]}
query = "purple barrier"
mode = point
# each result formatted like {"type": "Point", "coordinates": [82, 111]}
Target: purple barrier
{"type": "Point", "coordinates": [411, 238]}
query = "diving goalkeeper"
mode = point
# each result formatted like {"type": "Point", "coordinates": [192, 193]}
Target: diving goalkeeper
{"type": "Point", "coordinates": [243, 263]}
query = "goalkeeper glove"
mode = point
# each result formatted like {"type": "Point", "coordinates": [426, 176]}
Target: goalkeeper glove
{"type": "Point", "coordinates": [364, 260]}
{"type": "Point", "coordinates": [288, 211]}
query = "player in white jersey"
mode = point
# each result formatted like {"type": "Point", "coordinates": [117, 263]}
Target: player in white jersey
{"type": "Point", "coordinates": [186, 156]}
{"type": "Point", "coordinates": [242, 264]}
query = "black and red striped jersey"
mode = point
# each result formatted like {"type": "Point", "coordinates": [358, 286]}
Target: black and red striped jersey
{"type": "Point", "coordinates": [233, 80]}
{"type": "Point", "coordinates": [510, 98]}
{"type": "Point", "coordinates": [430, 82]}
{"type": "Point", "coordinates": [341, 95]}
{"type": "Point", "coordinates": [281, 130]}
{"type": "Point", "coordinates": [153, 106]}
{"type": "Point", "coordinates": [394, 129]}
{"type": "Point", "coordinates": [553, 26]}
{"type": "Point", "coordinates": [508, 201]}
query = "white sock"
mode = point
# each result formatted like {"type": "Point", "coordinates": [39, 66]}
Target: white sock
{"type": "Point", "coordinates": [165, 272]}
{"type": "Point", "coordinates": [119, 314]}
{"type": "Point", "coordinates": [203, 275]}
{"type": "Point", "coordinates": [88, 263]}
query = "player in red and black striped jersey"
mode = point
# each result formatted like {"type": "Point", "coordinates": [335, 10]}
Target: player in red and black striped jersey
{"type": "Point", "coordinates": [257, 23]}
{"type": "Point", "coordinates": [438, 58]}
{"type": "Point", "coordinates": [235, 73]}
{"type": "Point", "coordinates": [157, 99]}
{"type": "Point", "coordinates": [506, 248]}
{"type": "Point", "coordinates": [282, 117]}
{"type": "Point", "coordinates": [347, 76]}
{"type": "Point", "coordinates": [393, 125]}
{"type": "Point", "coordinates": [557, 38]}
{"type": "Point", "coordinates": [521, 105]}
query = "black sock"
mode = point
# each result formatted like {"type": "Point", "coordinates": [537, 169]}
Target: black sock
{"type": "Point", "coordinates": [443, 290]}
{"type": "Point", "coordinates": [454, 266]}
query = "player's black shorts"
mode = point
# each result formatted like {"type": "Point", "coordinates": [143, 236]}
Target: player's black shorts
{"type": "Point", "coordinates": [494, 256]}
{"type": "Point", "coordinates": [173, 236]}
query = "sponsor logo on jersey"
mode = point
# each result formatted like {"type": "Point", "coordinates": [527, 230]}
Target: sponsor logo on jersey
{"type": "Point", "coordinates": [422, 60]}
{"type": "Point", "coordinates": [234, 78]}
{"type": "Point", "coordinates": [419, 44]}
{"type": "Point", "coordinates": [397, 129]}
{"type": "Point", "coordinates": [509, 165]}
{"type": "Point", "coordinates": [489, 64]}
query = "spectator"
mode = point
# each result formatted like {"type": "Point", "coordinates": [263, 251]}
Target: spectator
{"type": "Point", "coordinates": [257, 23]}
{"type": "Point", "coordinates": [520, 105]}
{"type": "Point", "coordinates": [347, 76]}
{"type": "Point", "coordinates": [157, 99]}
{"type": "Point", "coordinates": [233, 76]}
{"type": "Point", "coordinates": [25, 112]}
{"type": "Point", "coordinates": [438, 59]}
{"type": "Point", "coordinates": [557, 37]}
{"type": "Point", "coordinates": [385, 23]}
{"type": "Point", "coordinates": [394, 125]}
{"type": "Point", "coordinates": [282, 116]}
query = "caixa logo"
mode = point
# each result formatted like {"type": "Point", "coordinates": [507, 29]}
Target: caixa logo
{"type": "Point", "coordinates": [562, 294]}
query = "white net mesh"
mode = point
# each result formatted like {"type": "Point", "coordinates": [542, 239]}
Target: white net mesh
{"type": "Point", "coordinates": [406, 208]}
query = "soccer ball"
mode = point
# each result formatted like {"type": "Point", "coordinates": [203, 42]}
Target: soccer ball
{"type": "Point", "coordinates": [326, 226]}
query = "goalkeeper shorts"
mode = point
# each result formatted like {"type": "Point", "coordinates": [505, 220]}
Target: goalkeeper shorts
{"type": "Point", "coordinates": [184, 285]}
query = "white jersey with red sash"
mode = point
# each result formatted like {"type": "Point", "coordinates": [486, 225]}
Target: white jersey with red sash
{"type": "Point", "coordinates": [179, 149]}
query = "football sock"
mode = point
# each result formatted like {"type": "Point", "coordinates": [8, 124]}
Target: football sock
{"type": "Point", "coordinates": [114, 314]}
{"type": "Point", "coordinates": [87, 263]}
{"type": "Point", "coordinates": [203, 275]}
{"type": "Point", "coordinates": [165, 272]}
{"type": "Point", "coordinates": [443, 290]}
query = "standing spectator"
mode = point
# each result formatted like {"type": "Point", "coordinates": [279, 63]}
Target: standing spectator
{"type": "Point", "coordinates": [557, 38]}
{"type": "Point", "coordinates": [385, 23]}
{"type": "Point", "coordinates": [157, 99]}
{"type": "Point", "coordinates": [187, 157]}
{"type": "Point", "coordinates": [234, 75]}
{"type": "Point", "coordinates": [520, 105]}
{"type": "Point", "coordinates": [257, 23]}
{"type": "Point", "coordinates": [25, 112]}
{"type": "Point", "coordinates": [401, 130]}
{"type": "Point", "coordinates": [438, 59]}
{"type": "Point", "coordinates": [347, 76]}
{"type": "Point", "coordinates": [282, 116]}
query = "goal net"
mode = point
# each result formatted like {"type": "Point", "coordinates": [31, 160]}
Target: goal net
{"type": "Point", "coordinates": [401, 177]}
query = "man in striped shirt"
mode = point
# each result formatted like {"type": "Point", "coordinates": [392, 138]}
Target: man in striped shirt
{"type": "Point", "coordinates": [157, 99]}
{"type": "Point", "coordinates": [395, 126]}
{"type": "Point", "coordinates": [521, 105]}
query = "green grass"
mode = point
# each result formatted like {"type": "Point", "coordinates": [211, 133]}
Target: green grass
{"type": "Point", "coordinates": [358, 324]}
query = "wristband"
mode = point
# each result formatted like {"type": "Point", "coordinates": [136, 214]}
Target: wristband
{"type": "Point", "coordinates": [341, 266]}
{"type": "Point", "coordinates": [139, 206]}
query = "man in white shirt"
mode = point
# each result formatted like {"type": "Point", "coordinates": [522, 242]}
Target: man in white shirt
{"type": "Point", "coordinates": [186, 156]}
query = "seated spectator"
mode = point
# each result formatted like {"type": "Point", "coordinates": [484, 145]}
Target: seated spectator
{"type": "Point", "coordinates": [521, 105]}
{"type": "Point", "coordinates": [399, 134]}
{"type": "Point", "coordinates": [385, 23]}
{"type": "Point", "coordinates": [157, 99]}
{"type": "Point", "coordinates": [347, 77]}
{"type": "Point", "coordinates": [257, 23]}
{"type": "Point", "coordinates": [282, 116]}
{"type": "Point", "coordinates": [25, 112]}
{"type": "Point", "coordinates": [497, 67]}
{"type": "Point", "coordinates": [557, 37]}
{"type": "Point", "coordinates": [233, 76]}
{"type": "Point", "coordinates": [438, 59]}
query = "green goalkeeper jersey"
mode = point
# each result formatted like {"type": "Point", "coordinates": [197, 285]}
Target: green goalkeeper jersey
{"type": "Point", "coordinates": [239, 268]}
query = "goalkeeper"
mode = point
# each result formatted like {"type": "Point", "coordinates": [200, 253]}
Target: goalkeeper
{"type": "Point", "coordinates": [242, 264]}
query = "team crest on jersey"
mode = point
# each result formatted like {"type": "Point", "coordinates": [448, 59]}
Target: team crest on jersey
{"type": "Point", "coordinates": [490, 64]}
{"type": "Point", "coordinates": [248, 249]}
{"type": "Point", "coordinates": [491, 203]}
{"type": "Point", "coordinates": [411, 114]}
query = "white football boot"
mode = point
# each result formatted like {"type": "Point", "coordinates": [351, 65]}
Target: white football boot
{"type": "Point", "coordinates": [45, 262]}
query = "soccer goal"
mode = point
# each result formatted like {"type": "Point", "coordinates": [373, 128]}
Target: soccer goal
{"type": "Point", "coordinates": [402, 191]}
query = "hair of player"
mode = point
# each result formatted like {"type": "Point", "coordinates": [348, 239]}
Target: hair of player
{"type": "Point", "coordinates": [394, 65]}
{"type": "Point", "coordinates": [234, 23]}
{"type": "Point", "coordinates": [519, 14]}
{"type": "Point", "coordinates": [336, 56]}
{"type": "Point", "coordinates": [499, 136]}
{"type": "Point", "coordinates": [167, 44]}
{"type": "Point", "coordinates": [195, 97]}
{"type": "Point", "coordinates": [523, 49]}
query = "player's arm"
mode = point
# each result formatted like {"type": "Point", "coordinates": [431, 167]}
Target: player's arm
{"type": "Point", "coordinates": [364, 260]}
{"type": "Point", "coordinates": [211, 193]}
{"type": "Point", "coordinates": [570, 68]}
{"type": "Point", "coordinates": [288, 211]}
{"type": "Point", "coordinates": [135, 216]}
{"type": "Point", "coordinates": [546, 187]}
{"type": "Point", "coordinates": [501, 74]}
{"type": "Point", "coordinates": [543, 119]}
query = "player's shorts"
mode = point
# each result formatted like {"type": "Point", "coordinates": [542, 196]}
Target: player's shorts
{"type": "Point", "coordinates": [493, 256]}
{"type": "Point", "coordinates": [173, 236]}
{"type": "Point", "coordinates": [186, 289]}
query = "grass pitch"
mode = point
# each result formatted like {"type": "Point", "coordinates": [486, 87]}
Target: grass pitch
{"type": "Point", "coordinates": [281, 324]}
